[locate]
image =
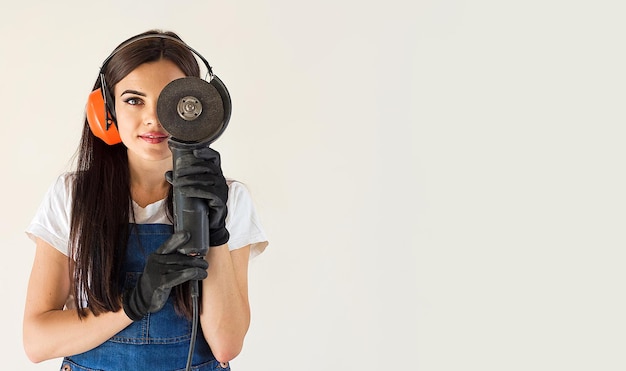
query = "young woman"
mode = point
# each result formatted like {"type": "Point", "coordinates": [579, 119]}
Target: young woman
{"type": "Point", "coordinates": [110, 284]}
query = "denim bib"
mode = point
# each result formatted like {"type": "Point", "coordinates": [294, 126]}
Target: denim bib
{"type": "Point", "coordinates": [158, 342]}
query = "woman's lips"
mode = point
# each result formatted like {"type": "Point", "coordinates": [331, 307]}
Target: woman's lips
{"type": "Point", "coordinates": [154, 138]}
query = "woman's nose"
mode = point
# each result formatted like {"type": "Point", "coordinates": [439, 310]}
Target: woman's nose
{"type": "Point", "coordinates": [151, 117]}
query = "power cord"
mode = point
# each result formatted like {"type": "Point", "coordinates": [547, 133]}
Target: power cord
{"type": "Point", "coordinates": [194, 323]}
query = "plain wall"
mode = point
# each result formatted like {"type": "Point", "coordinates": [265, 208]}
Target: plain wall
{"type": "Point", "coordinates": [442, 182]}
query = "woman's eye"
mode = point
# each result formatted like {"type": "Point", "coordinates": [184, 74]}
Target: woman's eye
{"type": "Point", "coordinates": [133, 101]}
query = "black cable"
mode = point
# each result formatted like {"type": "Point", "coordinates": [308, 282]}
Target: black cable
{"type": "Point", "coordinates": [194, 323]}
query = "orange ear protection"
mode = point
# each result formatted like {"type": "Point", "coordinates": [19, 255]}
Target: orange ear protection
{"type": "Point", "coordinates": [99, 110]}
{"type": "Point", "coordinates": [101, 127]}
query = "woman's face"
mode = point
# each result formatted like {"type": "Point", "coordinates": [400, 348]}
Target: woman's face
{"type": "Point", "coordinates": [136, 98]}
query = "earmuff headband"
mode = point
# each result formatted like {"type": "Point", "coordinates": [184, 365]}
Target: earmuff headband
{"type": "Point", "coordinates": [160, 36]}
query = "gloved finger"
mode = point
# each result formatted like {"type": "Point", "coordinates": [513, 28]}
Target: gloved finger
{"type": "Point", "coordinates": [208, 153]}
{"type": "Point", "coordinates": [173, 243]}
{"type": "Point", "coordinates": [178, 261]}
{"type": "Point", "coordinates": [196, 169]}
{"type": "Point", "coordinates": [197, 192]}
{"type": "Point", "coordinates": [174, 279]}
{"type": "Point", "coordinates": [188, 160]}
{"type": "Point", "coordinates": [199, 180]}
{"type": "Point", "coordinates": [195, 262]}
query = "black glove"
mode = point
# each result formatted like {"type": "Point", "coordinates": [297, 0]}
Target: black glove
{"type": "Point", "coordinates": [199, 175]}
{"type": "Point", "coordinates": [165, 268]}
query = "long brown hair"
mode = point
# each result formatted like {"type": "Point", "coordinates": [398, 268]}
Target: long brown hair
{"type": "Point", "coordinates": [102, 204]}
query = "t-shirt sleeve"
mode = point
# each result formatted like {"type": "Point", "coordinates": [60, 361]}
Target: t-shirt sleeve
{"type": "Point", "coordinates": [51, 222]}
{"type": "Point", "coordinates": [243, 222]}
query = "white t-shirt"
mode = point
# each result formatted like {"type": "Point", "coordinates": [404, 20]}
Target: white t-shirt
{"type": "Point", "coordinates": [52, 220]}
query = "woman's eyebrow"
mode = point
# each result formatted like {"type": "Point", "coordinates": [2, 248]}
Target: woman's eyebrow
{"type": "Point", "coordinates": [133, 92]}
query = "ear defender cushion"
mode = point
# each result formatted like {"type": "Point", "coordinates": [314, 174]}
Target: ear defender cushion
{"type": "Point", "coordinates": [95, 112]}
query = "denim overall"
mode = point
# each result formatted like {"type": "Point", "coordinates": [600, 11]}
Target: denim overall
{"type": "Point", "coordinates": [158, 342]}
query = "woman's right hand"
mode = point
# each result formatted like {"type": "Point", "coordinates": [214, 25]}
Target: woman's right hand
{"type": "Point", "coordinates": [165, 268]}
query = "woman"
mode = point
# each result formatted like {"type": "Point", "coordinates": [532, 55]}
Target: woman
{"type": "Point", "coordinates": [106, 256]}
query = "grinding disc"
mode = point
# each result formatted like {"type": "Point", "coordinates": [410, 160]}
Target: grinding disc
{"type": "Point", "coordinates": [190, 109]}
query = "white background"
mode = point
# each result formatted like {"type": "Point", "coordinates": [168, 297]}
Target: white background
{"type": "Point", "coordinates": [442, 182]}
